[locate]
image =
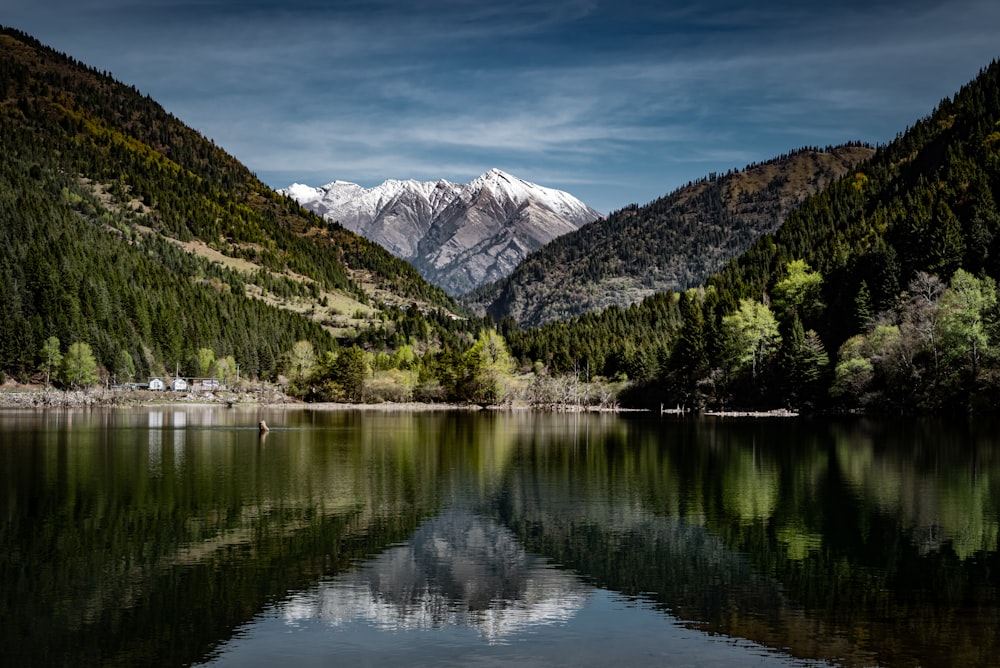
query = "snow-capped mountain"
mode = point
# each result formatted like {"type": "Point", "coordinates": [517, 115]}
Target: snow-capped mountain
{"type": "Point", "coordinates": [459, 236]}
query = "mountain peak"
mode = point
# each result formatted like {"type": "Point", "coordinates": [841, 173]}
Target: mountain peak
{"type": "Point", "coordinates": [454, 235]}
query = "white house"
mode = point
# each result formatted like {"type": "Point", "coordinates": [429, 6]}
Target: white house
{"type": "Point", "coordinates": [179, 385]}
{"type": "Point", "coordinates": [156, 384]}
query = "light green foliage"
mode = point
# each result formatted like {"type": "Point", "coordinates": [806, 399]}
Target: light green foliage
{"type": "Point", "coordinates": [206, 362]}
{"type": "Point", "coordinates": [966, 306]}
{"type": "Point", "coordinates": [405, 358]}
{"type": "Point", "coordinates": [393, 385]}
{"type": "Point", "coordinates": [852, 377]}
{"type": "Point", "coordinates": [751, 336]}
{"type": "Point", "coordinates": [490, 367]}
{"type": "Point", "coordinates": [301, 362]}
{"type": "Point", "coordinates": [882, 348]}
{"type": "Point", "coordinates": [226, 370]}
{"type": "Point", "coordinates": [51, 357]}
{"type": "Point", "coordinates": [79, 367]}
{"type": "Point", "coordinates": [800, 292]}
{"type": "Point", "coordinates": [380, 361]}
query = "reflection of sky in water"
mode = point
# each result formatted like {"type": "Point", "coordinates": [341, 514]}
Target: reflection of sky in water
{"type": "Point", "coordinates": [462, 591]}
{"type": "Point", "coordinates": [607, 631]}
{"type": "Point", "coordinates": [456, 570]}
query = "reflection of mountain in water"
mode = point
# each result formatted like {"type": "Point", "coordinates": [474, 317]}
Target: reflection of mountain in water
{"type": "Point", "coordinates": [458, 569]}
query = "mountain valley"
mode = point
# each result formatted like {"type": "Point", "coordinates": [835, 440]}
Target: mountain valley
{"type": "Point", "coordinates": [847, 278]}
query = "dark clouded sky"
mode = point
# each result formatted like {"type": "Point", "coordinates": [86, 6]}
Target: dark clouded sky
{"type": "Point", "coordinates": [614, 101]}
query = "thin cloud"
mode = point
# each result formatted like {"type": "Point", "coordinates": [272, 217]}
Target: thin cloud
{"type": "Point", "coordinates": [632, 98]}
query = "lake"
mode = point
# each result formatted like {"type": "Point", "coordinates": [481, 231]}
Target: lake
{"type": "Point", "coordinates": [175, 536]}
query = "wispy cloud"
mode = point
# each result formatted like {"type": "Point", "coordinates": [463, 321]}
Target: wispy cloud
{"type": "Point", "coordinates": [644, 95]}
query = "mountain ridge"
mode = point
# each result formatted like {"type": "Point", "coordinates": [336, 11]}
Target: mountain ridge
{"type": "Point", "coordinates": [458, 236]}
{"type": "Point", "coordinates": [672, 243]}
{"type": "Point", "coordinates": [878, 293]}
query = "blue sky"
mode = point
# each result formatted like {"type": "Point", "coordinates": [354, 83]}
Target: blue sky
{"type": "Point", "coordinates": [615, 102]}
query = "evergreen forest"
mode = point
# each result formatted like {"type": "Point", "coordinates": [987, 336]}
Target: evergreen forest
{"type": "Point", "coordinates": [673, 243]}
{"type": "Point", "coordinates": [857, 278]}
{"type": "Point", "coordinates": [124, 230]}
{"type": "Point", "coordinates": [876, 293]}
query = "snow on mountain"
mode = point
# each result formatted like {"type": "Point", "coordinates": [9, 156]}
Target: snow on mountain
{"type": "Point", "coordinates": [459, 236]}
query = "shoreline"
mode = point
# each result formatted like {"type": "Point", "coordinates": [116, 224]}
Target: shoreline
{"type": "Point", "coordinates": [274, 399]}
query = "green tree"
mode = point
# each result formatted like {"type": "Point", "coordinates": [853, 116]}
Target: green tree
{"type": "Point", "coordinates": [51, 357]}
{"type": "Point", "coordinates": [751, 335]}
{"type": "Point", "coordinates": [79, 367]}
{"type": "Point", "coordinates": [226, 369]}
{"type": "Point", "coordinates": [854, 371]}
{"type": "Point", "coordinates": [966, 306]}
{"type": "Point", "coordinates": [405, 358]}
{"type": "Point", "coordinates": [489, 366]}
{"type": "Point", "coordinates": [689, 357]}
{"type": "Point", "coordinates": [301, 363]}
{"type": "Point", "coordinates": [206, 362]}
{"type": "Point", "coordinates": [863, 310]}
{"type": "Point", "coordinates": [349, 371]}
{"type": "Point", "coordinates": [946, 244]}
{"type": "Point", "coordinates": [804, 362]}
{"type": "Point", "coordinates": [124, 365]}
{"type": "Point", "coordinates": [800, 292]}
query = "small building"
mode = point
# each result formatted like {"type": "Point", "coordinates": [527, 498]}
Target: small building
{"type": "Point", "coordinates": [157, 384]}
{"type": "Point", "coordinates": [179, 385]}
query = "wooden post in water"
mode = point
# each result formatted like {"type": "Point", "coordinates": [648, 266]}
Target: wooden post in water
{"type": "Point", "coordinates": [263, 427]}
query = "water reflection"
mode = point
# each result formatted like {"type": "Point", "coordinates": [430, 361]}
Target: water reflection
{"type": "Point", "coordinates": [458, 569]}
{"type": "Point", "coordinates": [155, 536]}
{"type": "Point", "coordinates": [944, 496]}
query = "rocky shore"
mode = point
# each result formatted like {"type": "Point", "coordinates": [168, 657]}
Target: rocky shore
{"type": "Point", "coordinates": [51, 398]}
{"type": "Point", "coordinates": [37, 397]}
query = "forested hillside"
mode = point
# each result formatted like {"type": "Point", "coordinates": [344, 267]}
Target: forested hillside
{"type": "Point", "coordinates": [673, 243]}
{"type": "Point", "coordinates": [132, 245]}
{"type": "Point", "coordinates": [124, 229]}
{"type": "Point", "coordinates": [878, 292]}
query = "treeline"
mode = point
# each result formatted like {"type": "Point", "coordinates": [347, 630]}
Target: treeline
{"type": "Point", "coordinates": [98, 187]}
{"type": "Point", "coordinates": [64, 276]}
{"type": "Point", "coordinates": [711, 177]}
{"type": "Point", "coordinates": [878, 292]}
{"type": "Point", "coordinates": [901, 258]}
{"type": "Point", "coordinates": [673, 243]}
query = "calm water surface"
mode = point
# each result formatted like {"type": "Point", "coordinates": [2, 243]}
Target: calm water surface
{"type": "Point", "coordinates": [173, 536]}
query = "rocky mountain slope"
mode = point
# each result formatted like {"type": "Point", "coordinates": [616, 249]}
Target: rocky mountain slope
{"type": "Point", "coordinates": [458, 236]}
{"type": "Point", "coordinates": [673, 243]}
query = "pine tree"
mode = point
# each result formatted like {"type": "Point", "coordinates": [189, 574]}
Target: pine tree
{"type": "Point", "coordinates": [863, 307]}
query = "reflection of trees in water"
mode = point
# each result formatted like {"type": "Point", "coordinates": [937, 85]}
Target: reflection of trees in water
{"type": "Point", "coordinates": [458, 569]}
{"type": "Point", "coordinates": [781, 532]}
{"type": "Point", "coordinates": [941, 484]}
{"type": "Point", "coordinates": [866, 544]}
{"type": "Point", "coordinates": [684, 568]}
